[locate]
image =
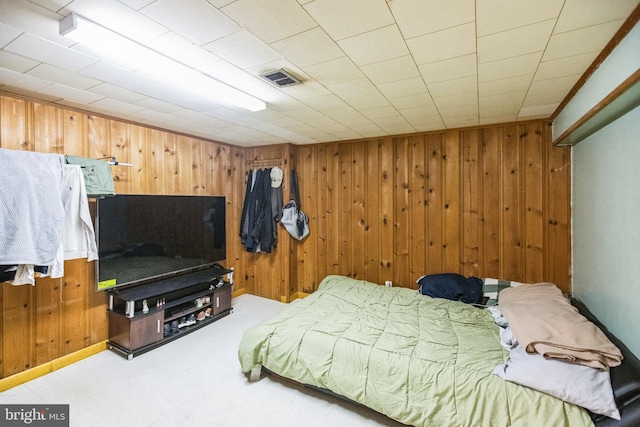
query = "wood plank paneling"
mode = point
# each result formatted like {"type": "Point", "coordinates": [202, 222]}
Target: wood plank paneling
{"type": "Point", "coordinates": [49, 334]}
{"type": "Point", "coordinates": [491, 233]}
{"type": "Point", "coordinates": [490, 202]}
{"type": "Point", "coordinates": [470, 204]}
{"type": "Point", "coordinates": [373, 244]}
{"type": "Point", "coordinates": [60, 316]}
{"type": "Point", "coordinates": [533, 149]}
{"type": "Point", "coordinates": [435, 205]}
{"type": "Point", "coordinates": [402, 225]}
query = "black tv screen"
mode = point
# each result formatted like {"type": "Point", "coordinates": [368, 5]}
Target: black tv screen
{"type": "Point", "coordinates": [142, 238]}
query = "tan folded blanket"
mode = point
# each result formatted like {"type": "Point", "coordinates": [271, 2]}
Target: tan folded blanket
{"type": "Point", "coordinates": [544, 321]}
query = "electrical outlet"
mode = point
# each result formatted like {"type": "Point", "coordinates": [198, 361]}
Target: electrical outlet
{"type": "Point", "coordinates": [388, 283]}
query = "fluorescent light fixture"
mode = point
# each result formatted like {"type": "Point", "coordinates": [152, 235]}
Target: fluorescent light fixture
{"type": "Point", "coordinates": [133, 56]}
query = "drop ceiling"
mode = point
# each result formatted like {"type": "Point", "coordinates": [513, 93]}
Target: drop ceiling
{"type": "Point", "coordinates": [368, 68]}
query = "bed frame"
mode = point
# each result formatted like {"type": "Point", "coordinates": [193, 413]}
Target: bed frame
{"type": "Point", "coordinates": [625, 380]}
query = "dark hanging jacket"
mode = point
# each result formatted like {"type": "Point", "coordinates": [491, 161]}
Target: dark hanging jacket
{"type": "Point", "coordinates": [256, 227]}
{"type": "Point", "coordinates": [244, 220]}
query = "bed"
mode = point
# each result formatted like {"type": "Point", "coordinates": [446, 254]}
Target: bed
{"type": "Point", "coordinates": [419, 360]}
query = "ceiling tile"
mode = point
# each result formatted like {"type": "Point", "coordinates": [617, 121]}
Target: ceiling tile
{"type": "Point", "coordinates": [519, 41]}
{"type": "Point", "coordinates": [418, 112]}
{"type": "Point", "coordinates": [413, 86]}
{"type": "Point", "coordinates": [17, 63]}
{"type": "Point", "coordinates": [308, 48]}
{"type": "Point", "coordinates": [19, 80]}
{"type": "Point", "coordinates": [51, 53]}
{"type": "Point", "coordinates": [270, 21]}
{"type": "Point", "coordinates": [507, 85]}
{"type": "Point", "coordinates": [494, 109]}
{"type": "Point", "coordinates": [412, 101]}
{"type": "Point", "coordinates": [391, 70]}
{"type": "Point", "coordinates": [494, 16]}
{"type": "Point", "coordinates": [220, 3]}
{"type": "Point", "coordinates": [114, 75]}
{"type": "Point", "coordinates": [378, 112]}
{"type": "Point", "coordinates": [501, 103]}
{"type": "Point", "coordinates": [151, 116]}
{"type": "Point", "coordinates": [418, 17]}
{"type": "Point", "coordinates": [461, 119]}
{"type": "Point", "coordinates": [538, 111]}
{"type": "Point", "coordinates": [117, 93]}
{"type": "Point", "coordinates": [53, 5]}
{"type": "Point", "coordinates": [108, 104]}
{"type": "Point", "coordinates": [463, 101]}
{"type": "Point", "coordinates": [584, 13]}
{"type": "Point", "coordinates": [497, 119]}
{"type": "Point", "coordinates": [346, 115]}
{"type": "Point", "coordinates": [509, 67]}
{"type": "Point", "coordinates": [230, 73]}
{"type": "Point", "coordinates": [7, 33]}
{"type": "Point", "coordinates": [63, 77]}
{"type": "Point", "coordinates": [584, 40]}
{"type": "Point", "coordinates": [426, 124]}
{"type": "Point", "coordinates": [353, 89]}
{"type": "Point", "coordinates": [182, 50]}
{"type": "Point", "coordinates": [543, 99]}
{"type": "Point", "coordinates": [369, 101]}
{"type": "Point", "coordinates": [336, 71]}
{"type": "Point", "coordinates": [302, 113]}
{"type": "Point", "coordinates": [446, 44]}
{"type": "Point", "coordinates": [395, 128]}
{"type": "Point", "coordinates": [375, 46]}
{"type": "Point", "coordinates": [320, 121]}
{"type": "Point", "coordinates": [33, 19]}
{"type": "Point", "coordinates": [574, 64]}
{"type": "Point", "coordinates": [325, 101]}
{"type": "Point", "coordinates": [196, 20]}
{"type": "Point", "coordinates": [307, 91]}
{"type": "Point", "coordinates": [368, 129]}
{"type": "Point", "coordinates": [453, 87]}
{"type": "Point", "coordinates": [242, 49]}
{"type": "Point", "coordinates": [71, 94]}
{"type": "Point", "coordinates": [449, 69]}
{"type": "Point", "coordinates": [134, 4]}
{"type": "Point", "coordinates": [342, 19]}
{"type": "Point", "coordinates": [558, 85]}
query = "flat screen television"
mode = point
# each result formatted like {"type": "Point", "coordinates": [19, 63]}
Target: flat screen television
{"type": "Point", "coordinates": [142, 238]}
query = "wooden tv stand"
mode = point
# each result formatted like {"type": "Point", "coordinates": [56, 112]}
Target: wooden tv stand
{"type": "Point", "coordinates": [177, 306]}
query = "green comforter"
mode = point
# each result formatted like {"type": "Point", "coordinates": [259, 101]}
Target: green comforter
{"type": "Point", "coordinates": [419, 360]}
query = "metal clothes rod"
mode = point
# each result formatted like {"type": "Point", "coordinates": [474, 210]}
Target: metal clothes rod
{"type": "Point", "coordinates": [266, 162]}
{"type": "Point", "coordinates": [113, 161]}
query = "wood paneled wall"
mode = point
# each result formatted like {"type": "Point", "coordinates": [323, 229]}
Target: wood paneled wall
{"type": "Point", "coordinates": [60, 316]}
{"type": "Point", "coordinates": [491, 201]}
{"type": "Point", "coordinates": [268, 274]}
{"type": "Point", "coordinates": [488, 202]}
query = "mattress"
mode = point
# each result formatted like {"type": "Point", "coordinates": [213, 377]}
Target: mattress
{"type": "Point", "coordinates": [419, 360]}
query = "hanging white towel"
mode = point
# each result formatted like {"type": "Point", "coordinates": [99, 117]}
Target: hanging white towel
{"type": "Point", "coordinates": [30, 207]}
{"type": "Point", "coordinates": [25, 275]}
{"type": "Point", "coordinates": [79, 239]}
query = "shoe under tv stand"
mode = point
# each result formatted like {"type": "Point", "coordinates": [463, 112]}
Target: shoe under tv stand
{"type": "Point", "coordinates": [176, 305]}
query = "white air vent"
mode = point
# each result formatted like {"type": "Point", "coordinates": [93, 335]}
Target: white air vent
{"type": "Point", "coordinates": [280, 78]}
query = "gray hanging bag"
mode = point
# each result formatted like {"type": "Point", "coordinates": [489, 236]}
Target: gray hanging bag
{"type": "Point", "coordinates": [294, 220]}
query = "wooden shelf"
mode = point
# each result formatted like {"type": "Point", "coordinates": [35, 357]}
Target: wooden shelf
{"type": "Point", "coordinates": [620, 101]}
{"type": "Point", "coordinates": [134, 332]}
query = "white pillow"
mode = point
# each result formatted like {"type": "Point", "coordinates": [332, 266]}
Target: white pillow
{"type": "Point", "coordinates": [578, 384]}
